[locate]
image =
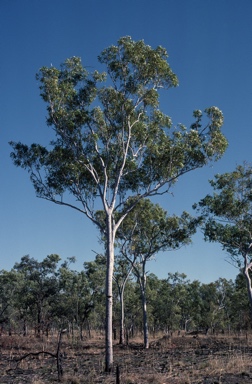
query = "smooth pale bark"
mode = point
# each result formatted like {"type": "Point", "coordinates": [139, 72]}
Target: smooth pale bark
{"type": "Point", "coordinates": [39, 315]}
{"type": "Point", "coordinates": [122, 314]}
{"type": "Point", "coordinates": [144, 306]}
{"type": "Point", "coordinates": [145, 320]}
{"type": "Point", "coordinates": [142, 282]}
{"type": "Point", "coordinates": [247, 268]}
{"type": "Point", "coordinates": [121, 289]}
{"type": "Point", "coordinates": [109, 296]}
{"type": "Point", "coordinates": [122, 338]}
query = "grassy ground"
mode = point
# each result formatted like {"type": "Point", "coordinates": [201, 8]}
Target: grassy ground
{"type": "Point", "coordinates": [186, 359]}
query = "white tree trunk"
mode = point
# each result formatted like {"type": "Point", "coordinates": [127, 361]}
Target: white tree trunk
{"type": "Point", "coordinates": [247, 268]}
{"type": "Point", "coordinates": [121, 295]}
{"type": "Point", "coordinates": [109, 296]}
{"type": "Point", "coordinates": [145, 321]}
{"type": "Point", "coordinates": [142, 281]}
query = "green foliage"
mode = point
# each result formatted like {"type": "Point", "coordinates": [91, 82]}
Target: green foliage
{"type": "Point", "coordinates": [145, 231]}
{"type": "Point", "coordinates": [240, 311]}
{"type": "Point", "coordinates": [227, 215]}
{"type": "Point", "coordinates": [75, 300]}
{"type": "Point", "coordinates": [110, 136]}
{"type": "Point", "coordinates": [38, 287]}
{"type": "Point", "coordinates": [148, 229]}
{"type": "Point", "coordinates": [112, 141]}
{"type": "Point", "coordinates": [9, 292]}
{"type": "Point", "coordinates": [228, 211]}
{"type": "Point", "coordinates": [95, 272]}
{"type": "Point", "coordinates": [173, 303]}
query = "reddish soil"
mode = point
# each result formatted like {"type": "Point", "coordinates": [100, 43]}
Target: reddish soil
{"type": "Point", "coordinates": [169, 360]}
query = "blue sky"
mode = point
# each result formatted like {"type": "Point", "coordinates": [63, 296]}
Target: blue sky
{"type": "Point", "coordinates": [209, 47]}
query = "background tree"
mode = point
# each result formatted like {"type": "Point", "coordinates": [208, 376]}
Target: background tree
{"type": "Point", "coordinates": [174, 303]}
{"type": "Point", "coordinates": [228, 214]}
{"type": "Point", "coordinates": [39, 286]}
{"type": "Point", "coordinates": [96, 275]}
{"type": "Point", "coordinates": [209, 307]}
{"type": "Point", "coordinates": [223, 304]}
{"type": "Point", "coordinates": [76, 299]}
{"type": "Point", "coordinates": [9, 290]}
{"type": "Point", "coordinates": [132, 305]}
{"type": "Point", "coordinates": [180, 313]}
{"type": "Point", "coordinates": [152, 292]}
{"type": "Point", "coordinates": [146, 231]}
{"type": "Point", "coordinates": [240, 306]}
{"type": "Point", "coordinates": [121, 275]}
{"type": "Point", "coordinates": [168, 307]}
{"type": "Point", "coordinates": [112, 140]}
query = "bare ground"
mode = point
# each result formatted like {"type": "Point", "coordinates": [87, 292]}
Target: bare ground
{"type": "Point", "coordinates": [185, 359]}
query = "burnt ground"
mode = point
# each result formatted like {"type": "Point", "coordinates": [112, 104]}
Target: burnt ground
{"type": "Point", "coordinates": [185, 359]}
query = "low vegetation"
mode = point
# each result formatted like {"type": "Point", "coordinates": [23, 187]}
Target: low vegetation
{"type": "Point", "coordinates": [52, 327]}
{"type": "Point", "coordinates": [174, 359]}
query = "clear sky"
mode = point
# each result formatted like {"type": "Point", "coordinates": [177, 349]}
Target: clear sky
{"type": "Point", "coordinates": [209, 46]}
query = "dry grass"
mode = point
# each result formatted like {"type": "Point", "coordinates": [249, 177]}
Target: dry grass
{"type": "Point", "coordinates": [170, 360]}
{"type": "Point", "coordinates": [234, 363]}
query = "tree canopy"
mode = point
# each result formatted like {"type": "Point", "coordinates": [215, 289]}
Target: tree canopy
{"type": "Point", "coordinates": [227, 213]}
{"type": "Point", "coordinates": [111, 137]}
{"type": "Point", "coordinates": [147, 230]}
{"type": "Point", "coordinates": [112, 140]}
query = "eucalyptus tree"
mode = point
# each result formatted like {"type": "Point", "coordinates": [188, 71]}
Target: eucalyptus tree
{"type": "Point", "coordinates": [228, 217]}
{"type": "Point", "coordinates": [147, 230]}
{"type": "Point", "coordinates": [180, 301]}
{"type": "Point", "coordinates": [170, 307]}
{"type": "Point", "coordinates": [191, 308]}
{"type": "Point", "coordinates": [9, 289]}
{"type": "Point", "coordinates": [240, 305]}
{"type": "Point", "coordinates": [152, 294]}
{"type": "Point", "coordinates": [112, 140]}
{"type": "Point", "coordinates": [95, 272]}
{"type": "Point", "coordinates": [214, 308]}
{"type": "Point", "coordinates": [133, 309]}
{"type": "Point", "coordinates": [39, 286]}
{"type": "Point", "coordinates": [76, 299]}
{"type": "Point", "coordinates": [121, 275]}
{"type": "Point", "coordinates": [223, 303]}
